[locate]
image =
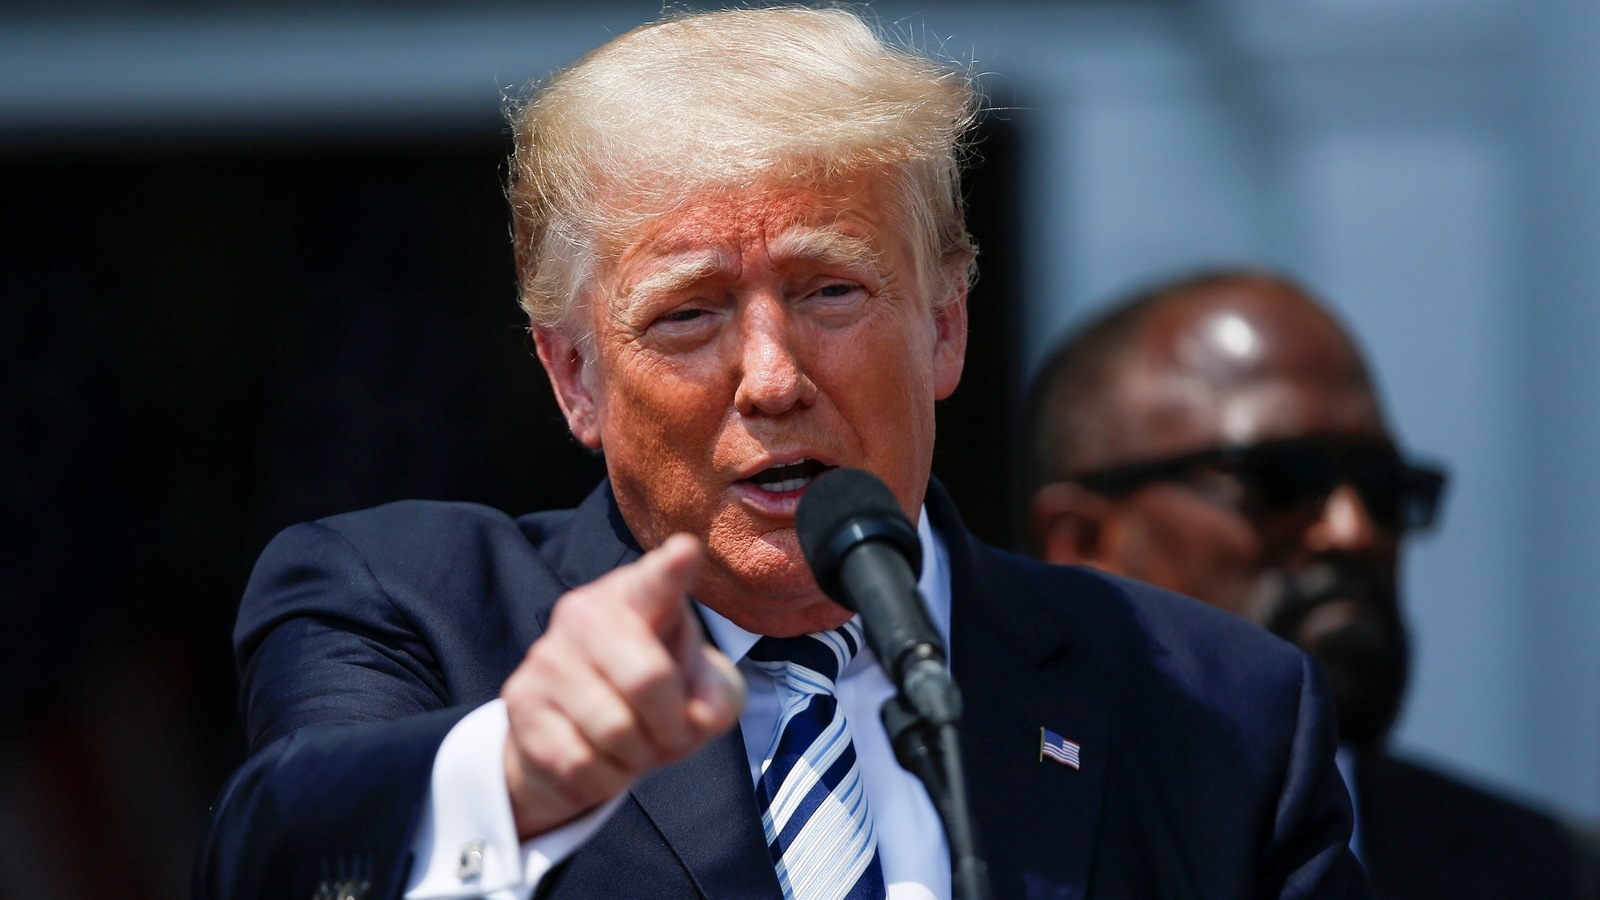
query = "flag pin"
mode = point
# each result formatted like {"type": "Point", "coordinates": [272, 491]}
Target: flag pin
{"type": "Point", "coordinates": [1057, 748]}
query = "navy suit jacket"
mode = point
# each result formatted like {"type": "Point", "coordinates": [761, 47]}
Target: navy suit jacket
{"type": "Point", "coordinates": [1207, 745]}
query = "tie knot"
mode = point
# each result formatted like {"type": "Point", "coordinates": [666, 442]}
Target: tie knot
{"type": "Point", "coordinates": [822, 655]}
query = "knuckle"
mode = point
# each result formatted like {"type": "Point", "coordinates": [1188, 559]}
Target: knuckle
{"type": "Point", "coordinates": [529, 682]}
{"type": "Point", "coordinates": [578, 776]}
{"type": "Point", "coordinates": [558, 759]}
{"type": "Point", "coordinates": [569, 611]}
{"type": "Point", "coordinates": [621, 739]}
{"type": "Point", "coordinates": [648, 679]}
{"type": "Point", "coordinates": [520, 688]}
{"type": "Point", "coordinates": [568, 763]}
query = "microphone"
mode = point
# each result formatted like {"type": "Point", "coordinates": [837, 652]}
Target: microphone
{"type": "Point", "coordinates": [864, 554]}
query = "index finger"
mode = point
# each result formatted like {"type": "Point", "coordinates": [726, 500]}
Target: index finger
{"type": "Point", "coordinates": [658, 584]}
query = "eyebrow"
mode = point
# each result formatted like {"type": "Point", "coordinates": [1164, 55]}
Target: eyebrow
{"type": "Point", "coordinates": [826, 246]}
{"type": "Point", "coordinates": [676, 277]}
{"type": "Point", "coordinates": [822, 245]}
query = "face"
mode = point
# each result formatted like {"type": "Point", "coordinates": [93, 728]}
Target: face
{"type": "Point", "coordinates": [742, 345]}
{"type": "Point", "coordinates": [1239, 372]}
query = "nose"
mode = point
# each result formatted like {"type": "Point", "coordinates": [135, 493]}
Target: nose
{"type": "Point", "coordinates": [1345, 524]}
{"type": "Point", "coordinates": [771, 372]}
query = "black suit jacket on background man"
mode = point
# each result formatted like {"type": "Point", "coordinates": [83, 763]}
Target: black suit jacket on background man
{"type": "Point", "coordinates": [1427, 836]}
{"type": "Point", "coordinates": [1207, 745]}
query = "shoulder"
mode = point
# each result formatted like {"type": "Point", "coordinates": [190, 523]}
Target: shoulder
{"type": "Point", "coordinates": [1133, 621]}
{"type": "Point", "coordinates": [1192, 709]}
{"type": "Point", "coordinates": [1421, 825]}
{"type": "Point", "coordinates": [1403, 783]}
{"type": "Point", "coordinates": [441, 599]}
{"type": "Point", "coordinates": [1182, 675]}
{"type": "Point", "coordinates": [412, 563]}
{"type": "Point", "coordinates": [408, 525]}
{"type": "Point", "coordinates": [414, 535]}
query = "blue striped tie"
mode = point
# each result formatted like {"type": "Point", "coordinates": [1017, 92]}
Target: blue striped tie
{"type": "Point", "coordinates": [813, 804]}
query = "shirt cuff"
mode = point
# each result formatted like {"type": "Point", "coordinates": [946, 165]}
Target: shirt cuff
{"type": "Point", "coordinates": [466, 843]}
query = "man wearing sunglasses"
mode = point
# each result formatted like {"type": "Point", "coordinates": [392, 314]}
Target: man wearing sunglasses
{"type": "Point", "coordinates": [1220, 436]}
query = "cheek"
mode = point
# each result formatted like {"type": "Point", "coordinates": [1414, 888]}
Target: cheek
{"type": "Point", "coordinates": [891, 368]}
{"type": "Point", "coordinates": [653, 408]}
{"type": "Point", "coordinates": [884, 389]}
{"type": "Point", "coordinates": [660, 431]}
{"type": "Point", "coordinates": [1201, 550]}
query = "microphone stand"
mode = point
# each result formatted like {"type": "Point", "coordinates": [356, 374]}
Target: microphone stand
{"type": "Point", "coordinates": [927, 744]}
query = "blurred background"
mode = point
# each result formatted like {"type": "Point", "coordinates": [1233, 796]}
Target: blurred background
{"type": "Point", "coordinates": [254, 269]}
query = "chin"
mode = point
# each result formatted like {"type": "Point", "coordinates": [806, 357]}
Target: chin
{"type": "Point", "coordinates": [1367, 665]}
{"type": "Point", "coordinates": [762, 564]}
{"type": "Point", "coordinates": [821, 616]}
{"type": "Point", "coordinates": [777, 614]}
{"type": "Point", "coordinates": [768, 591]}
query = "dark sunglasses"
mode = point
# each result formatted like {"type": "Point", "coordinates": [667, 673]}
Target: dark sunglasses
{"type": "Point", "coordinates": [1294, 475]}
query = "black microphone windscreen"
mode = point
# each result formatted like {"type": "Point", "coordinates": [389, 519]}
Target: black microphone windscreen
{"type": "Point", "coordinates": [843, 508]}
{"type": "Point", "coordinates": [837, 496]}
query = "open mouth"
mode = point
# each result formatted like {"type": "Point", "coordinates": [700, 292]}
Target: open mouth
{"type": "Point", "coordinates": [788, 477]}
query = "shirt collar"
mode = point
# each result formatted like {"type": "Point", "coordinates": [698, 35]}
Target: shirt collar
{"type": "Point", "coordinates": [934, 585]}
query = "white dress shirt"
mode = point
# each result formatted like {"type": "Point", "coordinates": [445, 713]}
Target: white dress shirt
{"type": "Point", "coordinates": [466, 843]}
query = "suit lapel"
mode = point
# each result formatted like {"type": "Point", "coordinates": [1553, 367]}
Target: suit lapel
{"type": "Point", "coordinates": [1018, 671]}
{"type": "Point", "coordinates": [703, 807]}
{"type": "Point", "coordinates": [595, 542]}
{"type": "Point", "coordinates": [1037, 818]}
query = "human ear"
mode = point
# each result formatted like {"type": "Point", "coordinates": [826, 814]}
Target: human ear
{"type": "Point", "coordinates": [1074, 525]}
{"type": "Point", "coordinates": [950, 342]}
{"type": "Point", "coordinates": [570, 378]}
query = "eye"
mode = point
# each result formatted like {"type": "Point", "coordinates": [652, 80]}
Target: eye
{"type": "Point", "coordinates": [836, 294]}
{"type": "Point", "coordinates": [833, 301]}
{"type": "Point", "coordinates": [684, 326]}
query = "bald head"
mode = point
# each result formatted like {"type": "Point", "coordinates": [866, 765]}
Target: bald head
{"type": "Point", "coordinates": [1220, 436]}
{"type": "Point", "coordinates": [1205, 360]}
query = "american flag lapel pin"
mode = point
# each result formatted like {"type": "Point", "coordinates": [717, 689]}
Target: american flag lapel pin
{"type": "Point", "coordinates": [1058, 748]}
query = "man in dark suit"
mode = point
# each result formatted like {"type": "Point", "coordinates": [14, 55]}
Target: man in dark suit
{"type": "Point", "coordinates": [1221, 436]}
{"type": "Point", "coordinates": [740, 242]}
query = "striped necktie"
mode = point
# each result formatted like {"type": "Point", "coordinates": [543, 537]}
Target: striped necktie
{"type": "Point", "coordinates": [813, 804]}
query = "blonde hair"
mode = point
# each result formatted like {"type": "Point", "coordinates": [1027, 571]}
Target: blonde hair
{"type": "Point", "coordinates": [788, 94]}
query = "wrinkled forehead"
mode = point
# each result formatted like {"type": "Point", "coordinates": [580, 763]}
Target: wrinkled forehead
{"type": "Point", "coordinates": [843, 220]}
